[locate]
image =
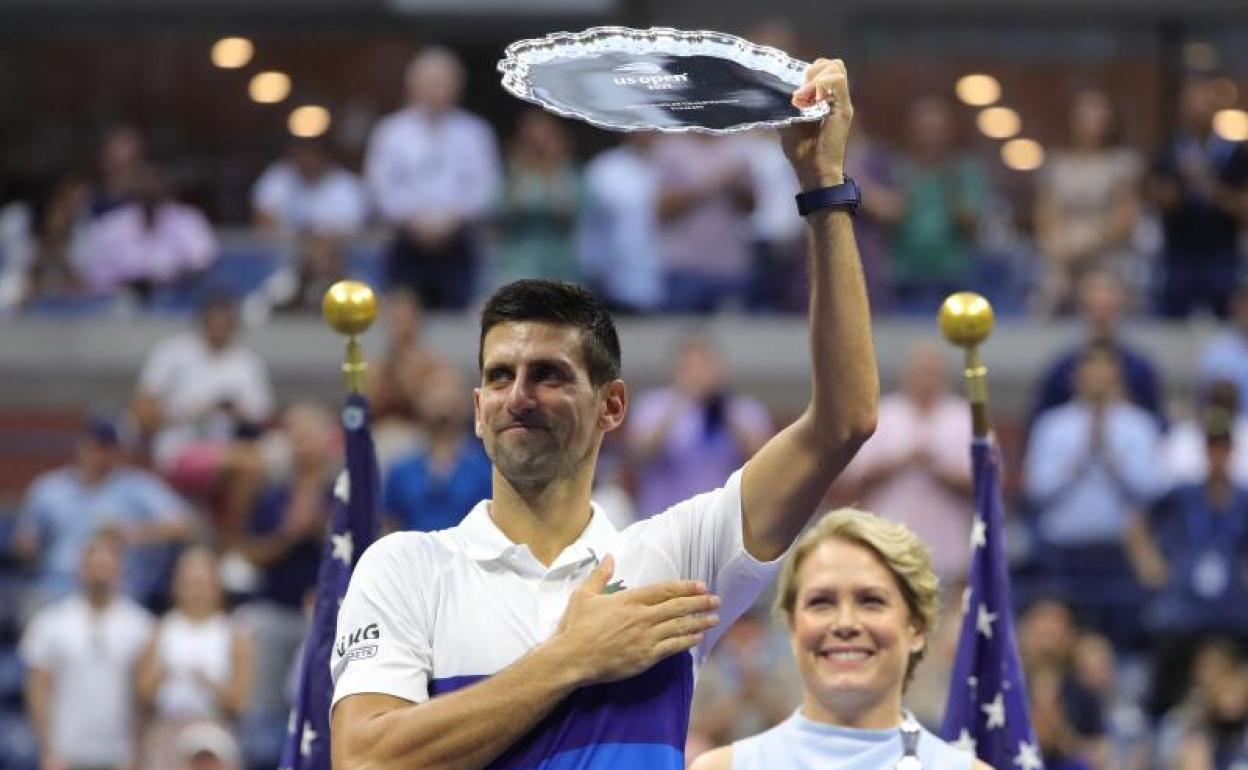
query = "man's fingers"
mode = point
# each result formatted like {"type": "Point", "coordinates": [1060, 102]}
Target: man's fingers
{"type": "Point", "coordinates": [821, 82]}
{"type": "Point", "coordinates": [600, 577]}
{"type": "Point", "coordinates": [686, 625]}
{"type": "Point", "coordinates": [656, 593]}
{"type": "Point", "coordinates": [669, 647]}
{"type": "Point", "coordinates": [682, 606]}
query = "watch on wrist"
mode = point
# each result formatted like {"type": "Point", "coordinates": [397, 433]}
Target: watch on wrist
{"type": "Point", "coordinates": [845, 196]}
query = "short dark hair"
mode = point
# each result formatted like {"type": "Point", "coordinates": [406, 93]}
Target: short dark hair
{"type": "Point", "coordinates": [563, 304]}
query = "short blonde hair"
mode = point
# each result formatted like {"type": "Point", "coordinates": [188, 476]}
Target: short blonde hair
{"type": "Point", "coordinates": [897, 548]}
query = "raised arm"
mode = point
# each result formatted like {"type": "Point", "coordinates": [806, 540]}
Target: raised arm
{"type": "Point", "coordinates": [786, 479]}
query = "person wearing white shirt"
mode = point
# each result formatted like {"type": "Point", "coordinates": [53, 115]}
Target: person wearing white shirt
{"type": "Point", "coordinates": [80, 655]}
{"type": "Point", "coordinates": [617, 236]}
{"type": "Point", "coordinates": [434, 172]}
{"type": "Point", "coordinates": [310, 205]}
{"type": "Point", "coordinates": [200, 394]}
{"type": "Point", "coordinates": [533, 634]}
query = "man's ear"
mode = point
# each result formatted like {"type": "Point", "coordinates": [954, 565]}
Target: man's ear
{"type": "Point", "coordinates": [614, 405]}
{"type": "Point", "coordinates": [476, 413]}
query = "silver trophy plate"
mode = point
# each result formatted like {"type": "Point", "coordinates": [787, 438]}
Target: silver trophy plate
{"type": "Point", "coordinates": [657, 79]}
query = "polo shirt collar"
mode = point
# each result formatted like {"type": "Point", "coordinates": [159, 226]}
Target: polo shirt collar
{"type": "Point", "coordinates": [484, 541]}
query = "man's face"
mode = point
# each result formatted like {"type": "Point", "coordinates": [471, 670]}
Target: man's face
{"type": "Point", "coordinates": [219, 324]}
{"type": "Point", "coordinates": [536, 411]}
{"type": "Point", "coordinates": [1097, 379]}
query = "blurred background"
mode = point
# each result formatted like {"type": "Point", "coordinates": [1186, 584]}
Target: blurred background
{"type": "Point", "coordinates": [180, 181]}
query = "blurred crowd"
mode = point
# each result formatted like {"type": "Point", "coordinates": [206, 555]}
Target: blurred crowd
{"type": "Point", "coordinates": [159, 581]}
{"type": "Point", "coordinates": [677, 223]}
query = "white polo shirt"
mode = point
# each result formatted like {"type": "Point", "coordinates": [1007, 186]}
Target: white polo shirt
{"type": "Point", "coordinates": [91, 657]}
{"type": "Point", "coordinates": [432, 612]}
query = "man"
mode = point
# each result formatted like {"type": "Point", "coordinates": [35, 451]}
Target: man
{"type": "Point", "coordinates": [915, 469]}
{"type": "Point", "coordinates": [201, 396]}
{"type": "Point", "coordinates": [534, 633]}
{"type": "Point", "coordinates": [80, 655]}
{"type": "Point", "coordinates": [435, 487]}
{"type": "Point", "coordinates": [1101, 299]}
{"type": "Point", "coordinates": [1091, 464]}
{"type": "Point", "coordinates": [1199, 183]}
{"type": "Point", "coordinates": [434, 172]}
{"type": "Point", "coordinates": [309, 206]}
{"type": "Point", "coordinates": [66, 507]}
{"type": "Point", "coordinates": [690, 437]}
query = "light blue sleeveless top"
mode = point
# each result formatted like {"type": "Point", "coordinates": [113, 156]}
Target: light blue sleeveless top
{"type": "Point", "coordinates": [798, 743]}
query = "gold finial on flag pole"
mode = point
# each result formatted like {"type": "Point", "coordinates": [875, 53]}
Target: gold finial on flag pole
{"type": "Point", "coordinates": [350, 307]}
{"type": "Point", "coordinates": [966, 320]}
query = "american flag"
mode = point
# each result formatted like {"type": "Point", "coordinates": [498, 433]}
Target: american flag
{"type": "Point", "coordinates": [352, 528]}
{"type": "Point", "coordinates": [987, 712]}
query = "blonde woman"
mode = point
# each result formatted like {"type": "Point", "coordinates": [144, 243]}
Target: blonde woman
{"type": "Point", "coordinates": [859, 597]}
{"type": "Point", "coordinates": [197, 667]}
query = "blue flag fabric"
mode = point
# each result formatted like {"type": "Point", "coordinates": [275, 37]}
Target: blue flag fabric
{"type": "Point", "coordinates": [987, 712]}
{"type": "Point", "coordinates": [352, 528]}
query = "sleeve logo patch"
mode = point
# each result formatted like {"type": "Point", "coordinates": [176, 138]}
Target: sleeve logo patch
{"type": "Point", "coordinates": [357, 635]}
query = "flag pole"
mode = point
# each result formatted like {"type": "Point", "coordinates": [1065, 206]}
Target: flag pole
{"type": "Point", "coordinates": [966, 320]}
{"type": "Point", "coordinates": [350, 308]}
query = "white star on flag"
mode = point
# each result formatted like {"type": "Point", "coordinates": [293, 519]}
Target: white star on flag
{"type": "Point", "coordinates": [995, 712]}
{"type": "Point", "coordinates": [343, 547]}
{"type": "Point", "coordinates": [964, 742]}
{"type": "Point", "coordinates": [342, 488]}
{"type": "Point", "coordinates": [984, 621]}
{"type": "Point", "coordinates": [979, 534]}
{"type": "Point", "coordinates": [966, 600]}
{"type": "Point", "coordinates": [305, 743]}
{"type": "Point", "coordinates": [1028, 756]}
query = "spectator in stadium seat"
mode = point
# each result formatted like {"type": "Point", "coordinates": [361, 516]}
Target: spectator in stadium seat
{"type": "Point", "coordinates": [436, 487]}
{"type": "Point", "coordinates": [689, 436]}
{"type": "Point", "coordinates": [1216, 660]}
{"type": "Point", "coordinates": [311, 205]}
{"type": "Point", "coordinates": [617, 237]}
{"type": "Point", "coordinates": [944, 194]}
{"type": "Point", "coordinates": [80, 655]}
{"type": "Point", "coordinates": [396, 371]}
{"type": "Point", "coordinates": [434, 172]}
{"type": "Point", "coordinates": [1219, 739]}
{"type": "Point", "coordinates": [1226, 356]}
{"type": "Point", "coordinates": [283, 541]}
{"type": "Point", "coordinates": [202, 397]}
{"type": "Point", "coordinates": [1069, 719]}
{"type": "Point", "coordinates": [122, 162]}
{"type": "Point", "coordinates": [1193, 548]}
{"type": "Point", "coordinates": [51, 272]}
{"type": "Point", "coordinates": [1087, 203]}
{"type": "Point", "coordinates": [196, 666]}
{"type": "Point", "coordinates": [65, 508]}
{"type": "Point", "coordinates": [1091, 464]}
{"type": "Point", "coordinates": [538, 209]}
{"type": "Point", "coordinates": [706, 197]}
{"type": "Point", "coordinates": [1199, 184]}
{"type": "Point", "coordinates": [1186, 453]}
{"type": "Point", "coordinates": [1101, 300]}
{"type": "Point", "coordinates": [149, 242]}
{"type": "Point", "coordinates": [916, 469]}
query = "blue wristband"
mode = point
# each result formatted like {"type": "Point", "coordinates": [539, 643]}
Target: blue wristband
{"type": "Point", "coordinates": [845, 196]}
